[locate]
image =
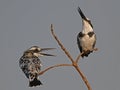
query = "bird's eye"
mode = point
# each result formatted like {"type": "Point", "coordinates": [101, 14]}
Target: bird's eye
{"type": "Point", "coordinates": [36, 50]}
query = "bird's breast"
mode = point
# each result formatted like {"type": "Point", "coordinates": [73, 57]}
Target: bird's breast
{"type": "Point", "coordinates": [87, 42]}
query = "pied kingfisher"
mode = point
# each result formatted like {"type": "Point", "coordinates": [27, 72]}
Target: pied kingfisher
{"type": "Point", "coordinates": [31, 64]}
{"type": "Point", "coordinates": [86, 39]}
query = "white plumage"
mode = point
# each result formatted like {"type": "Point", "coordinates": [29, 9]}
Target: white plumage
{"type": "Point", "coordinates": [86, 39]}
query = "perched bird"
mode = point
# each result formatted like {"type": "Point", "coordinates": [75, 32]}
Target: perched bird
{"type": "Point", "coordinates": [31, 64]}
{"type": "Point", "coordinates": [86, 39]}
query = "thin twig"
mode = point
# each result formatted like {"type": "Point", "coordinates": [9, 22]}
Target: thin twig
{"type": "Point", "coordinates": [42, 72]}
{"type": "Point", "coordinates": [83, 78]}
{"type": "Point", "coordinates": [95, 49]}
{"type": "Point", "coordinates": [60, 44]}
{"type": "Point", "coordinates": [74, 63]}
{"type": "Point", "coordinates": [78, 58]}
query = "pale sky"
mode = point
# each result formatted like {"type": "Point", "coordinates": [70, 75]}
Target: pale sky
{"type": "Point", "coordinates": [24, 23]}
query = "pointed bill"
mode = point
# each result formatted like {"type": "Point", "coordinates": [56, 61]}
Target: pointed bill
{"type": "Point", "coordinates": [81, 14]}
{"type": "Point", "coordinates": [84, 17]}
{"type": "Point", "coordinates": [45, 49]}
{"type": "Point", "coordinates": [44, 54]}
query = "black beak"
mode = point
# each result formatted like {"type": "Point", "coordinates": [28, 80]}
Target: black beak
{"type": "Point", "coordinates": [81, 14]}
{"type": "Point", "coordinates": [45, 49]}
{"type": "Point", "coordinates": [44, 54]}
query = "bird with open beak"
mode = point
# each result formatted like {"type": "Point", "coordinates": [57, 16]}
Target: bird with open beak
{"type": "Point", "coordinates": [31, 64]}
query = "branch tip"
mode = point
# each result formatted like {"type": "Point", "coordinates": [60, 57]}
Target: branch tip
{"type": "Point", "coordinates": [51, 27]}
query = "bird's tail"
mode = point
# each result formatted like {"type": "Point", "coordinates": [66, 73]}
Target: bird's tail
{"type": "Point", "coordinates": [86, 53]}
{"type": "Point", "coordinates": [34, 82]}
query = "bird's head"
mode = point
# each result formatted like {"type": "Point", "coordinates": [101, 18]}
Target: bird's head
{"type": "Point", "coordinates": [37, 51]}
{"type": "Point", "coordinates": [86, 20]}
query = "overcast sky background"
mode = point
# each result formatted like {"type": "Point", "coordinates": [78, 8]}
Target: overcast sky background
{"type": "Point", "coordinates": [24, 23]}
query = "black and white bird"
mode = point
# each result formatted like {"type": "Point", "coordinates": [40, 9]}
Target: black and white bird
{"type": "Point", "coordinates": [31, 64]}
{"type": "Point", "coordinates": [86, 39]}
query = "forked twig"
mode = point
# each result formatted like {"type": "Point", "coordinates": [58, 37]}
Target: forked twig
{"type": "Point", "coordinates": [74, 63]}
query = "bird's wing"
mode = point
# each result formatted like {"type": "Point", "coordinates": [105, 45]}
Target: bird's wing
{"type": "Point", "coordinates": [94, 41]}
{"type": "Point", "coordinates": [24, 64]}
{"type": "Point", "coordinates": [78, 41]}
{"type": "Point", "coordinates": [30, 65]}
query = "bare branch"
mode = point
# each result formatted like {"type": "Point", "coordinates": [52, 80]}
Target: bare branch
{"type": "Point", "coordinates": [42, 72]}
{"type": "Point", "coordinates": [74, 63]}
{"type": "Point", "coordinates": [83, 78]}
{"type": "Point", "coordinates": [78, 58]}
{"type": "Point", "coordinates": [60, 44]}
